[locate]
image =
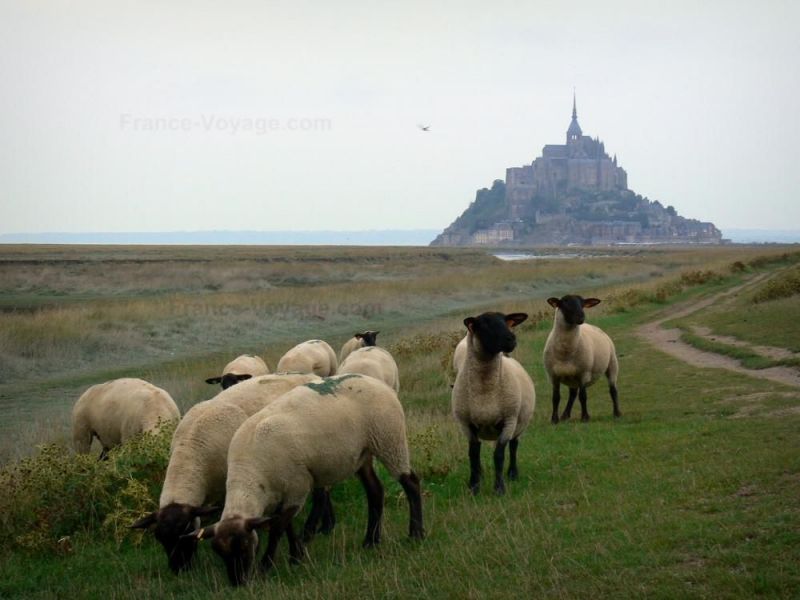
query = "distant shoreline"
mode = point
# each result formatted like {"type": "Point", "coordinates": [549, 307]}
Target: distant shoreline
{"type": "Point", "coordinates": [380, 237]}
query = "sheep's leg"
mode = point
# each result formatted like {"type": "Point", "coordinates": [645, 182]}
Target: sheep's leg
{"type": "Point", "coordinates": [411, 487]}
{"type": "Point", "coordinates": [612, 389]}
{"type": "Point", "coordinates": [103, 454]}
{"type": "Point", "coordinates": [318, 506]}
{"type": "Point", "coordinates": [374, 490]}
{"type": "Point", "coordinates": [583, 398]}
{"type": "Point", "coordinates": [328, 515]}
{"type": "Point", "coordinates": [513, 474]}
{"type": "Point", "coordinates": [296, 550]}
{"type": "Point", "coordinates": [475, 471]}
{"type": "Point", "coordinates": [499, 459]}
{"type": "Point", "coordinates": [556, 401]}
{"type": "Point", "coordinates": [567, 414]}
{"type": "Point", "coordinates": [276, 529]}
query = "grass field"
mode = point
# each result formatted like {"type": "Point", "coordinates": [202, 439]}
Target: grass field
{"type": "Point", "coordinates": [692, 493]}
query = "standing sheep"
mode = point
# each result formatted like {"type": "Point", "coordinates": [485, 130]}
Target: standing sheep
{"type": "Point", "coordinates": [313, 356]}
{"type": "Point", "coordinates": [198, 464]}
{"type": "Point", "coordinates": [240, 368]}
{"type": "Point", "coordinates": [375, 362]}
{"type": "Point", "coordinates": [493, 397]}
{"type": "Point", "coordinates": [117, 410]}
{"type": "Point", "coordinates": [359, 340]}
{"type": "Point", "coordinates": [314, 436]}
{"type": "Point", "coordinates": [577, 354]}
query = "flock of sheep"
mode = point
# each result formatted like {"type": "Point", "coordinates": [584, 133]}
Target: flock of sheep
{"type": "Point", "coordinates": [268, 441]}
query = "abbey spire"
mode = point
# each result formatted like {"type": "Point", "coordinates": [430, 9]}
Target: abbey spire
{"type": "Point", "coordinates": [574, 132]}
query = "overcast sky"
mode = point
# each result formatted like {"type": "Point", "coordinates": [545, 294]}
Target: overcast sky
{"type": "Point", "coordinates": [136, 116]}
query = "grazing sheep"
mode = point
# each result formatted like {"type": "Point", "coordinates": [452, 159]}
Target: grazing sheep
{"type": "Point", "coordinates": [117, 410]}
{"type": "Point", "coordinates": [375, 362]}
{"type": "Point", "coordinates": [577, 354]}
{"type": "Point", "coordinates": [314, 436]}
{"type": "Point", "coordinates": [313, 356]}
{"type": "Point", "coordinates": [198, 463]}
{"type": "Point", "coordinates": [493, 397]}
{"type": "Point", "coordinates": [359, 340]}
{"type": "Point", "coordinates": [240, 368]}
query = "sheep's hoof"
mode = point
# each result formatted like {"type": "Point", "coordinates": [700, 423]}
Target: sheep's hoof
{"type": "Point", "coordinates": [554, 419]}
{"type": "Point", "coordinates": [617, 414]}
{"type": "Point", "coordinates": [584, 418]}
{"type": "Point", "coordinates": [474, 488]}
{"type": "Point", "coordinates": [368, 543]}
{"type": "Point", "coordinates": [500, 489]}
{"type": "Point", "coordinates": [565, 417]}
{"type": "Point", "coordinates": [513, 475]}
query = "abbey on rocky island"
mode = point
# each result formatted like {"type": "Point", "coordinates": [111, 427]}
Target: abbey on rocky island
{"type": "Point", "coordinates": [574, 193]}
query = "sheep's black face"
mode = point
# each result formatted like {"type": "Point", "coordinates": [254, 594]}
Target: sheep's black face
{"type": "Point", "coordinates": [571, 307]}
{"type": "Point", "coordinates": [370, 338]}
{"type": "Point", "coordinates": [227, 380]}
{"type": "Point", "coordinates": [493, 331]}
{"type": "Point", "coordinates": [236, 544]}
{"type": "Point", "coordinates": [174, 521]}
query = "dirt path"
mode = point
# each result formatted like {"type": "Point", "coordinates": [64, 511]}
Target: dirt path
{"type": "Point", "coordinates": [668, 340]}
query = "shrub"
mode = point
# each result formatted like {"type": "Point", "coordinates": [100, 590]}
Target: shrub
{"type": "Point", "coordinates": [56, 494]}
{"type": "Point", "coordinates": [784, 285]}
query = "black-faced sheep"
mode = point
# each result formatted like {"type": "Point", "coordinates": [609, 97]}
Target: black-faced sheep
{"type": "Point", "coordinates": [314, 436]}
{"type": "Point", "coordinates": [493, 396]}
{"type": "Point", "coordinates": [359, 340]}
{"type": "Point", "coordinates": [115, 411]}
{"type": "Point", "coordinates": [576, 354]}
{"type": "Point", "coordinates": [240, 368]}
{"type": "Point", "coordinates": [198, 464]}
{"type": "Point", "coordinates": [312, 356]}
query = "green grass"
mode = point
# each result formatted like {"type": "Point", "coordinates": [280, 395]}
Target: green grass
{"type": "Point", "coordinates": [746, 357]}
{"type": "Point", "coordinates": [692, 493]}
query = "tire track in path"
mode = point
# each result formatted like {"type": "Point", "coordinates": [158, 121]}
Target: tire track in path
{"type": "Point", "coordinates": [668, 340]}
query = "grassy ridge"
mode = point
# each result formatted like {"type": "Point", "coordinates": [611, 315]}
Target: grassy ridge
{"type": "Point", "coordinates": [692, 493]}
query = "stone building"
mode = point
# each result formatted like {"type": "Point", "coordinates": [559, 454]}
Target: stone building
{"type": "Point", "coordinates": [580, 163]}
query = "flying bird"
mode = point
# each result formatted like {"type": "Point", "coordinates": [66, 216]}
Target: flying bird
{"type": "Point", "coordinates": [424, 127]}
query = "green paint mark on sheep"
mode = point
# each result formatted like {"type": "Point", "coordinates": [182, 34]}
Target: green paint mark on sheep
{"type": "Point", "coordinates": [328, 385]}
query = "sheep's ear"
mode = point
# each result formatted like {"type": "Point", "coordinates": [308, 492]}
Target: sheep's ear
{"type": "Point", "coordinates": [204, 533]}
{"type": "Point", "coordinates": [470, 323]}
{"type": "Point", "coordinates": [204, 511]}
{"type": "Point", "coordinates": [243, 376]}
{"type": "Point", "coordinates": [145, 521]}
{"type": "Point", "coordinates": [554, 302]}
{"type": "Point", "coordinates": [515, 319]}
{"type": "Point", "coordinates": [590, 302]}
{"type": "Point", "coordinates": [214, 380]}
{"type": "Point", "coordinates": [256, 522]}
{"type": "Point", "coordinates": [358, 336]}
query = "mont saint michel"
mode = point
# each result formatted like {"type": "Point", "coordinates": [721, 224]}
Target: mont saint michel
{"type": "Point", "coordinates": [574, 193]}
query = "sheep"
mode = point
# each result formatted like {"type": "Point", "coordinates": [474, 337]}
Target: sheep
{"type": "Point", "coordinates": [195, 478]}
{"type": "Point", "coordinates": [493, 397]}
{"type": "Point", "coordinates": [375, 362]}
{"type": "Point", "coordinates": [117, 410]}
{"type": "Point", "coordinates": [313, 356]}
{"type": "Point", "coordinates": [315, 435]}
{"type": "Point", "coordinates": [240, 368]}
{"type": "Point", "coordinates": [577, 354]}
{"type": "Point", "coordinates": [359, 340]}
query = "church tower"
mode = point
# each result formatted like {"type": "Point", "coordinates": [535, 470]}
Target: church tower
{"type": "Point", "coordinates": [574, 132]}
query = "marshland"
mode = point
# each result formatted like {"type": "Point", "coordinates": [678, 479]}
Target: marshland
{"type": "Point", "coordinates": [692, 492]}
